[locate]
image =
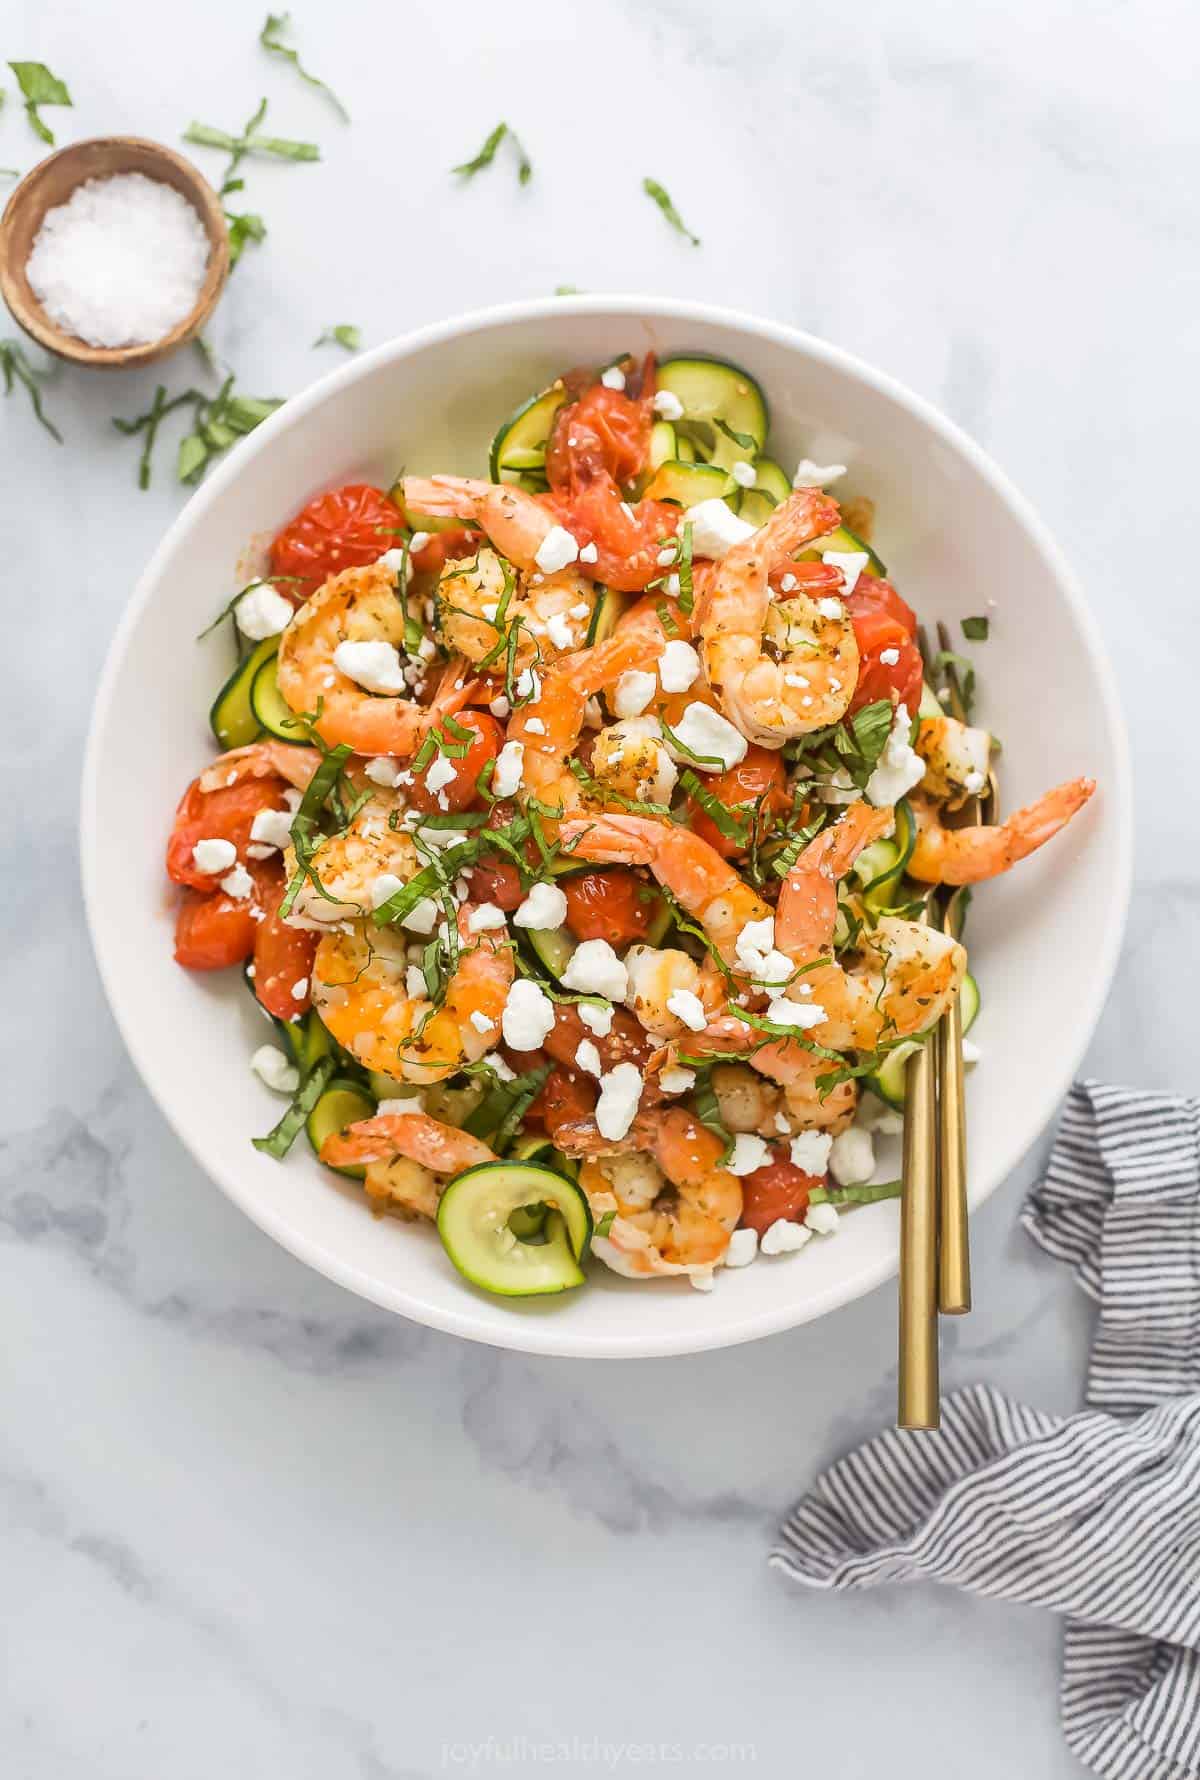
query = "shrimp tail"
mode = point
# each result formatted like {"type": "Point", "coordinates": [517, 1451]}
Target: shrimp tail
{"type": "Point", "coordinates": [972, 854]}
{"type": "Point", "coordinates": [435, 1146]}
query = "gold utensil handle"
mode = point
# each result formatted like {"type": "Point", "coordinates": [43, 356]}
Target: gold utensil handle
{"type": "Point", "coordinates": [918, 1391]}
{"type": "Point", "coordinates": [954, 1251]}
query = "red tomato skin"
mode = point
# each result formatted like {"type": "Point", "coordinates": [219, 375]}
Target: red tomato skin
{"type": "Point", "coordinates": [463, 789]}
{"type": "Point", "coordinates": [283, 955]}
{"type": "Point", "coordinates": [761, 771]}
{"type": "Point", "coordinates": [213, 932]}
{"type": "Point", "coordinates": [603, 429]}
{"type": "Point", "coordinates": [344, 528]}
{"type": "Point", "coordinates": [883, 621]}
{"type": "Point", "coordinates": [612, 905]}
{"type": "Point", "coordinates": [498, 882]}
{"type": "Point", "coordinates": [226, 814]}
{"type": "Point", "coordinates": [777, 1190]}
{"type": "Point", "coordinates": [566, 1095]}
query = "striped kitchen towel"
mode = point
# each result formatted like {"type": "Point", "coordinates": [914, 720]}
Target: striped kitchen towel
{"type": "Point", "coordinates": [1096, 1515]}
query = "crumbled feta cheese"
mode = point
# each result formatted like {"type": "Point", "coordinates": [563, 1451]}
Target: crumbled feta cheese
{"type": "Point", "coordinates": [823, 1220]}
{"type": "Point", "coordinates": [581, 611]}
{"type": "Point", "coordinates": [716, 528]}
{"type": "Point", "coordinates": [704, 732]}
{"type": "Point", "coordinates": [783, 1238]}
{"type": "Point", "coordinates": [810, 1151]}
{"type": "Point", "coordinates": [744, 474]}
{"type": "Point", "coordinates": [811, 475]}
{"type": "Point", "coordinates": [535, 726]}
{"type": "Point", "coordinates": [529, 685]}
{"type": "Point", "coordinates": [556, 551]}
{"type": "Point", "coordinates": [238, 883]}
{"type": "Point", "coordinates": [588, 1057]}
{"type": "Point", "coordinates": [788, 583]}
{"type": "Point", "coordinates": [701, 1279]}
{"type": "Point", "coordinates": [383, 772]}
{"type": "Point", "coordinates": [889, 657]}
{"type": "Point", "coordinates": [481, 1022]}
{"type": "Point", "coordinates": [560, 631]}
{"type": "Point", "coordinates": [633, 692]}
{"type": "Point", "coordinates": [831, 608]}
{"type": "Point", "coordinates": [418, 542]}
{"type": "Point", "coordinates": [667, 405]}
{"type": "Point", "coordinates": [299, 988]}
{"type": "Point", "coordinates": [852, 1157]}
{"type": "Point", "coordinates": [971, 1052]}
{"type": "Point", "coordinates": [620, 1092]}
{"type": "Point", "coordinates": [486, 916]}
{"type": "Point", "coordinates": [689, 1008]}
{"type": "Point", "coordinates": [755, 951]}
{"type": "Point", "coordinates": [678, 666]}
{"type": "Point", "coordinates": [673, 587]}
{"type": "Point", "coordinates": [595, 969]}
{"type": "Point", "coordinates": [666, 556]}
{"type": "Point", "coordinates": [272, 1067]}
{"type": "Point", "coordinates": [391, 559]}
{"type": "Point", "coordinates": [500, 707]}
{"type": "Point", "coordinates": [414, 982]}
{"type": "Point", "coordinates": [385, 886]}
{"type": "Point", "coordinates": [597, 1019]}
{"type": "Point", "coordinates": [898, 768]}
{"type": "Point", "coordinates": [613, 377]}
{"type": "Point", "coordinates": [528, 1016]}
{"type": "Point", "coordinates": [675, 1080]}
{"type": "Point", "coordinates": [374, 665]}
{"type": "Point", "coordinates": [507, 775]}
{"type": "Point", "coordinates": [254, 850]}
{"type": "Point", "coordinates": [212, 856]}
{"type": "Point", "coordinates": [588, 553]}
{"type": "Point", "coordinates": [262, 612]}
{"type": "Point", "coordinates": [593, 716]}
{"type": "Point", "coordinates": [796, 1015]}
{"type": "Point", "coordinates": [401, 1106]}
{"type": "Point", "coordinates": [423, 918]}
{"type": "Point", "coordinates": [839, 788]}
{"type": "Point", "coordinates": [749, 1153]}
{"type": "Point", "coordinates": [743, 1248]}
{"type": "Point", "coordinates": [544, 908]}
{"type": "Point", "coordinates": [851, 562]}
{"type": "Point", "coordinates": [440, 772]}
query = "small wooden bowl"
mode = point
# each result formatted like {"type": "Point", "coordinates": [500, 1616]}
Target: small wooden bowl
{"type": "Point", "coordinates": [51, 182]}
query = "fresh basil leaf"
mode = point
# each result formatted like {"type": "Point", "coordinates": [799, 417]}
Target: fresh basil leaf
{"type": "Point", "coordinates": [279, 1141]}
{"type": "Point", "coordinates": [270, 37]}
{"type": "Point", "coordinates": [743, 440]}
{"type": "Point", "coordinates": [15, 368]}
{"type": "Point", "coordinates": [194, 453]}
{"type": "Point", "coordinates": [207, 137]}
{"type": "Point", "coordinates": [487, 155]}
{"type": "Point", "coordinates": [683, 568]}
{"type": "Point", "coordinates": [872, 726]}
{"type": "Point", "coordinates": [39, 87]}
{"type": "Point", "coordinates": [732, 823]}
{"type": "Point", "coordinates": [868, 1194]}
{"type": "Point", "coordinates": [975, 629]}
{"type": "Point", "coordinates": [605, 1223]}
{"type": "Point", "coordinates": [566, 290]}
{"type": "Point", "coordinates": [661, 197]}
{"type": "Point", "coordinates": [345, 334]}
{"type": "Point", "coordinates": [243, 226]}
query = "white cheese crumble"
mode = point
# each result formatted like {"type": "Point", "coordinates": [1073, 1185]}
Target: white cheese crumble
{"type": "Point", "coordinates": [667, 405]}
{"type": "Point", "coordinates": [852, 1157]}
{"type": "Point", "coordinates": [560, 631]}
{"type": "Point", "coordinates": [704, 732]}
{"type": "Point", "coordinates": [598, 1020]}
{"type": "Point", "coordinates": [749, 1153]}
{"type": "Point", "coordinates": [440, 772]}
{"type": "Point", "coordinates": [971, 1052]}
{"type": "Point", "coordinates": [534, 726]}
{"type": "Point", "coordinates": [238, 883]}
{"type": "Point", "coordinates": [373, 665]}
{"type": "Point", "coordinates": [423, 918]}
{"type": "Point", "coordinates": [299, 988]}
{"type": "Point", "coordinates": [743, 1248]}
{"type": "Point", "coordinates": [528, 1016]}
{"type": "Point", "coordinates": [783, 1238]}
{"type": "Point", "coordinates": [384, 887]}
{"type": "Point", "coordinates": [529, 684]}
{"type": "Point", "coordinates": [400, 1106]}
{"type": "Point", "coordinates": [810, 1151]}
{"type": "Point", "coordinates": [613, 377]}
{"type": "Point", "coordinates": [633, 692]}
{"type": "Point", "coordinates": [898, 768]}
{"type": "Point", "coordinates": [507, 775]}
{"type": "Point", "coordinates": [831, 608]}
{"type": "Point", "coordinates": [744, 474]}
{"type": "Point", "coordinates": [889, 657]}
{"type": "Point", "coordinates": [588, 553]}
{"type": "Point", "coordinates": [484, 917]}
{"type": "Point", "coordinates": [851, 562]}
{"type": "Point", "coordinates": [557, 550]}
{"type": "Point", "coordinates": [500, 707]}
{"type": "Point", "coordinates": [716, 528]}
{"type": "Point", "coordinates": [414, 982]}
{"type": "Point", "coordinates": [481, 1022]}
{"type": "Point", "coordinates": [620, 1092]}
{"type": "Point", "coordinates": [384, 772]}
{"type": "Point", "coordinates": [212, 856]}
{"type": "Point", "coordinates": [823, 1220]}
{"type": "Point", "coordinates": [796, 1015]}
{"type": "Point", "coordinates": [689, 1008]}
{"type": "Point", "coordinates": [545, 908]}
{"type": "Point", "coordinates": [595, 969]}
{"type": "Point", "coordinates": [588, 1057]}
{"type": "Point", "coordinates": [262, 612]}
{"type": "Point", "coordinates": [272, 1067]}
{"type": "Point", "coordinates": [675, 1080]}
{"type": "Point", "coordinates": [678, 666]}
{"type": "Point", "coordinates": [811, 475]}
{"type": "Point", "coordinates": [701, 1279]}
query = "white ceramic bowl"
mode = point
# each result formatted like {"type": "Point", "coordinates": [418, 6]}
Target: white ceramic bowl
{"type": "Point", "coordinates": [958, 539]}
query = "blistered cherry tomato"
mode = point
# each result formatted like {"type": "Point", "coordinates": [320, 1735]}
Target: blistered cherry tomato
{"type": "Point", "coordinates": [283, 955]}
{"type": "Point", "coordinates": [460, 791]}
{"type": "Point", "coordinates": [343, 529]}
{"type": "Point", "coordinates": [884, 623]}
{"type": "Point", "coordinates": [213, 932]}
{"type": "Point", "coordinates": [778, 1190]}
{"type": "Point", "coordinates": [612, 905]}
{"type": "Point", "coordinates": [566, 1095]}
{"type": "Point", "coordinates": [497, 881]}
{"type": "Point", "coordinates": [761, 774]}
{"type": "Point", "coordinates": [603, 429]}
{"type": "Point", "coordinates": [226, 814]}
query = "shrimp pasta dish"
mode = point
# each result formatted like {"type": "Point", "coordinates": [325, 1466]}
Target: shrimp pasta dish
{"type": "Point", "coordinates": [575, 829]}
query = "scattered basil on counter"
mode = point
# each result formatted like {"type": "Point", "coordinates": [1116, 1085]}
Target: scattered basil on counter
{"type": "Point", "coordinates": [662, 198]}
{"type": "Point", "coordinates": [39, 87]}
{"type": "Point", "coordinates": [271, 39]}
{"type": "Point", "coordinates": [487, 155]}
{"type": "Point", "coordinates": [16, 368]}
{"type": "Point", "coordinates": [975, 629]}
{"type": "Point", "coordinates": [343, 335]}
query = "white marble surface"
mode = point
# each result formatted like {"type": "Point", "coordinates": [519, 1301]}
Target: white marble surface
{"type": "Point", "coordinates": [250, 1524]}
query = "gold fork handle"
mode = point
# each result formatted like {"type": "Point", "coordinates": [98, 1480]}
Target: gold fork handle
{"type": "Point", "coordinates": [918, 1391]}
{"type": "Point", "coordinates": [954, 1251]}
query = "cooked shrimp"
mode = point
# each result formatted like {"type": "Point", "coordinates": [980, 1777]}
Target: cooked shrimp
{"type": "Point", "coordinates": [783, 1061]}
{"type": "Point", "coordinates": [360, 989]}
{"type": "Point", "coordinates": [706, 885]}
{"type": "Point", "coordinates": [347, 866]}
{"type": "Point", "coordinates": [359, 605]}
{"type": "Point", "coordinates": [516, 522]}
{"type": "Point", "coordinates": [262, 760]}
{"type": "Point", "coordinates": [780, 667]}
{"type": "Point", "coordinates": [956, 759]}
{"type": "Point", "coordinates": [404, 1154]}
{"type": "Point", "coordinates": [554, 610]}
{"type": "Point", "coordinates": [549, 726]}
{"type": "Point", "coordinates": [630, 758]}
{"type": "Point", "coordinates": [969, 855]}
{"type": "Point", "coordinates": [655, 974]}
{"type": "Point", "coordinates": [807, 912]}
{"type": "Point", "coordinates": [675, 1206]}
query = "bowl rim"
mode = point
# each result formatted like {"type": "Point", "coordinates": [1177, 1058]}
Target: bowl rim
{"type": "Point", "coordinates": [555, 1336]}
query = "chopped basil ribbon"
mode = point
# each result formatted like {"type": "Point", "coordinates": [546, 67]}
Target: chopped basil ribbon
{"type": "Point", "coordinates": [39, 87]}
{"type": "Point", "coordinates": [607, 795]}
{"type": "Point", "coordinates": [149, 424]}
{"type": "Point", "coordinates": [975, 629]}
{"type": "Point", "coordinates": [665, 619]}
{"type": "Point", "coordinates": [661, 197]}
{"type": "Point", "coordinates": [269, 37]}
{"type": "Point", "coordinates": [683, 569]}
{"type": "Point", "coordinates": [872, 726]}
{"type": "Point", "coordinates": [343, 335]}
{"type": "Point", "coordinates": [244, 226]}
{"type": "Point", "coordinates": [689, 753]}
{"type": "Point", "coordinates": [428, 882]}
{"type": "Point", "coordinates": [731, 822]}
{"type": "Point", "coordinates": [305, 832]}
{"type": "Point", "coordinates": [605, 1224]}
{"type": "Point", "coordinates": [278, 1142]}
{"type": "Point", "coordinates": [742, 439]}
{"type": "Point", "coordinates": [866, 1194]}
{"type": "Point", "coordinates": [16, 368]}
{"type": "Point", "coordinates": [487, 155]}
{"type": "Point", "coordinates": [708, 1111]}
{"type": "Point", "coordinates": [219, 423]}
{"type": "Point", "coordinates": [282, 148]}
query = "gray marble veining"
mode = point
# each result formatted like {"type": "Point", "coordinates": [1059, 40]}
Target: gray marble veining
{"type": "Point", "coordinates": [246, 1516]}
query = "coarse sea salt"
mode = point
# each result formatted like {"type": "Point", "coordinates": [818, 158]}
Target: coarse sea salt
{"type": "Point", "coordinates": [121, 263]}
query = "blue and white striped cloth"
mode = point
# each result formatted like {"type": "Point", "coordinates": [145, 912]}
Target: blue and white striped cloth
{"type": "Point", "coordinates": [1096, 1515]}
